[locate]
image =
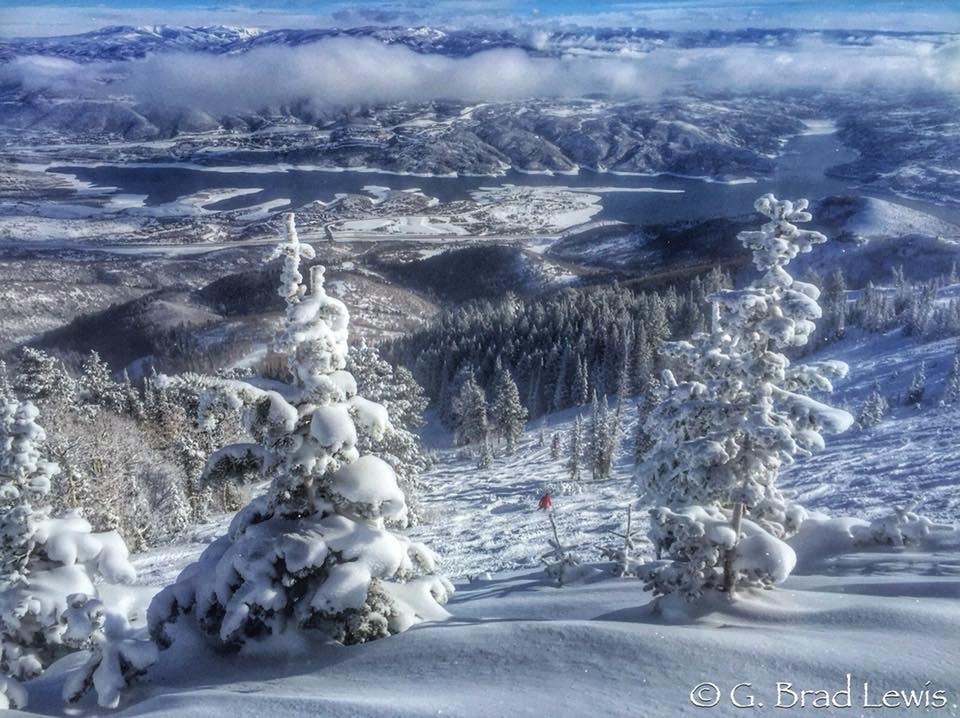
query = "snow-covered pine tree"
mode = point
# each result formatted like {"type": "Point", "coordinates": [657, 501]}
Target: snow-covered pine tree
{"type": "Point", "coordinates": [576, 449]}
{"type": "Point", "coordinates": [919, 310]}
{"type": "Point", "coordinates": [581, 384]}
{"type": "Point", "coordinates": [26, 479]}
{"type": "Point", "coordinates": [40, 376]}
{"type": "Point", "coordinates": [614, 435]}
{"type": "Point", "coordinates": [735, 410]}
{"type": "Point", "coordinates": [132, 400]}
{"type": "Point", "coordinates": [97, 389]}
{"type": "Point", "coordinates": [918, 386]}
{"type": "Point", "coordinates": [42, 559]}
{"type": "Point", "coordinates": [403, 398]}
{"type": "Point", "coordinates": [595, 431]}
{"type": "Point", "coordinates": [507, 413]}
{"type": "Point", "coordinates": [485, 456]}
{"type": "Point", "coordinates": [644, 360]}
{"type": "Point", "coordinates": [951, 391]}
{"type": "Point", "coordinates": [874, 408]}
{"type": "Point", "coordinates": [6, 387]}
{"type": "Point", "coordinates": [12, 694]}
{"type": "Point", "coordinates": [604, 430]}
{"type": "Point", "coordinates": [556, 446]}
{"type": "Point", "coordinates": [562, 385]}
{"type": "Point", "coordinates": [471, 422]}
{"type": "Point", "coordinates": [116, 653]}
{"type": "Point", "coordinates": [192, 433]}
{"type": "Point", "coordinates": [169, 501]}
{"type": "Point", "coordinates": [643, 439]}
{"type": "Point", "coordinates": [314, 551]}
{"type": "Point", "coordinates": [834, 302]}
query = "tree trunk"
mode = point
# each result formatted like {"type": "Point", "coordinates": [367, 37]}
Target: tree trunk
{"type": "Point", "coordinates": [728, 572]}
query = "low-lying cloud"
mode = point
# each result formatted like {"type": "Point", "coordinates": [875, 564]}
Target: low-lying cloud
{"type": "Point", "coordinates": [342, 72]}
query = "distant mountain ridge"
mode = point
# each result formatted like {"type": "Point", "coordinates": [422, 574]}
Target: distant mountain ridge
{"type": "Point", "coordinates": [123, 42]}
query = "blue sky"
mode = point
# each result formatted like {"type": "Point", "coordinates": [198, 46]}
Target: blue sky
{"type": "Point", "coordinates": [46, 17]}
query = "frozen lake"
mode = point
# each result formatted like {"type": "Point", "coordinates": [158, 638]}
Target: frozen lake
{"type": "Point", "coordinates": [800, 172]}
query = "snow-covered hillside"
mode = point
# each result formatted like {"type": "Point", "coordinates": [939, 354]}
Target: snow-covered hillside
{"type": "Point", "coordinates": [486, 520]}
{"type": "Point", "coordinates": [913, 456]}
{"type": "Point", "coordinates": [517, 644]}
{"type": "Point", "coordinates": [872, 236]}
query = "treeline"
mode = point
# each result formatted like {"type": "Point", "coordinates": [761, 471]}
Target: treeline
{"type": "Point", "coordinates": [919, 308]}
{"type": "Point", "coordinates": [131, 456]}
{"type": "Point", "coordinates": [560, 349]}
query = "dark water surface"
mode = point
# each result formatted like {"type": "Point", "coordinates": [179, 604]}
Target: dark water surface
{"type": "Point", "coordinates": [800, 172]}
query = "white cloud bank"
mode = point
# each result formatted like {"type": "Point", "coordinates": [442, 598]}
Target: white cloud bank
{"type": "Point", "coordinates": [349, 71]}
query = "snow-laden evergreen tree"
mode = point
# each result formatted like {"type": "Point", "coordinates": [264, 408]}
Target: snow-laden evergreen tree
{"type": "Point", "coordinates": [43, 560]}
{"type": "Point", "coordinates": [471, 419]}
{"type": "Point", "coordinates": [6, 386]}
{"type": "Point", "coordinates": [556, 446]}
{"type": "Point", "coordinates": [874, 408]}
{"type": "Point", "coordinates": [132, 400]}
{"type": "Point", "coordinates": [403, 398]}
{"type": "Point", "coordinates": [918, 386]}
{"type": "Point", "coordinates": [40, 376]}
{"type": "Point", "coordinates": [174, 409]}
{"type": "Point", "coordinates": [314, 552]}
{"type": "Point", "coordinates": [604, 438]}
{"type": "Point", "coordinates": [576, 444]}
{"type": "Point", "coordinates": [643, 439]}
{"type": "Point", "coordinates": [902, 526]}
{"type": "Point", "coordinates": [562, 385]}
{"type": "Point", "coordinates": [657, 321]}
{"type": "Point", "coordinates": [581, 384]}
{"type": "Point", "coordinates": [292, 251]}
{"type": "Point", "coordinates": [951, 391]}
{"type": "Point", "coordinates": [169, 500]}
{"type": "Point", "coordinates": [735, 411]}
{"type": "Point", "coordinates": [12, 694]}
{"type": "Point", "coordinates": [26, 477]}
{"type": "Point", "coordinates": [644, 361]}
{"type": "Point", "coordinates": [918, 312]}
{"type": "Point", "coordinates": [116, 653]}
{"type": "Point", "coordinates": [834, 303]}
{"type": "Point", "coordinates": [874, 309]}
{"type": "Point", "coordinates": [595, 432]}
{"type": "Point", "coordinates": [485, 456]}
{"type": "Point", "coordinates": [97, 389]}
{"type": "Point", "coordinates": [507, 413]}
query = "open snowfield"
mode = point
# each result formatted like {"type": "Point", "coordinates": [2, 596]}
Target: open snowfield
{"type": "Point", "coordinates": [516, 644]}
